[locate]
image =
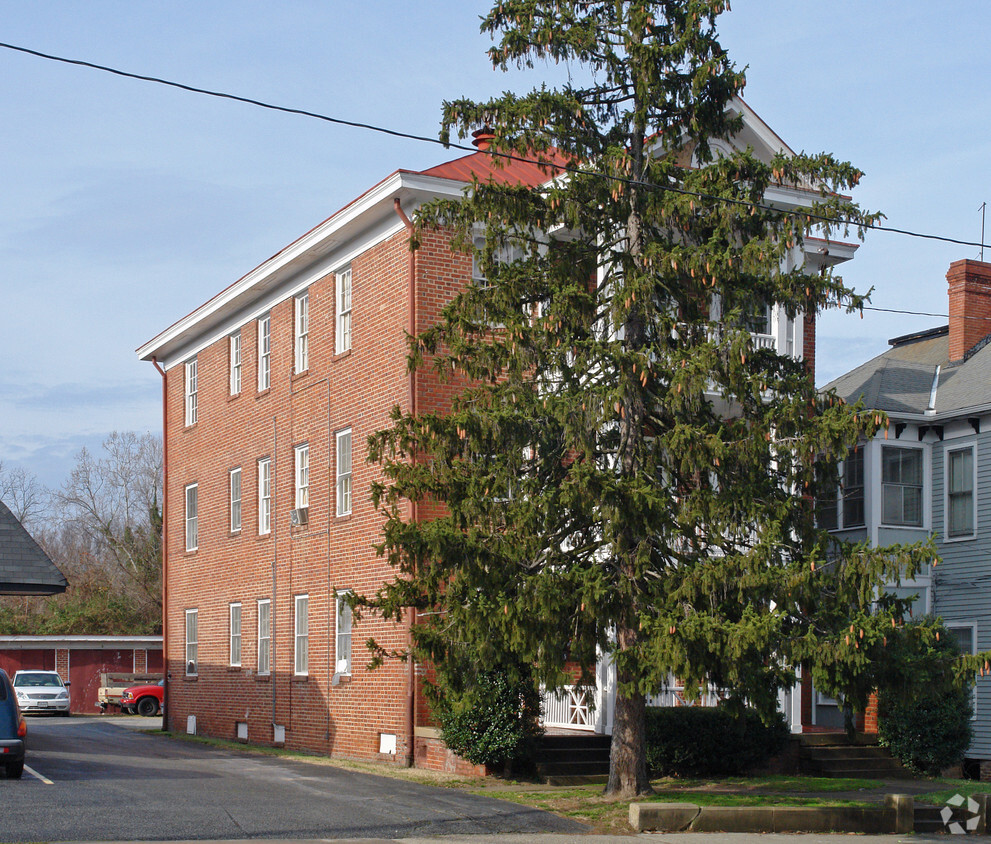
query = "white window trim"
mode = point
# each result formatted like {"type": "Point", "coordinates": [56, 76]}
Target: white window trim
{"type": "Point", "coordinates": [234, 353]}
{"type": "Point", "coordinates": [236, 504]}
{"type": "Point", "coordinates": [301, 633]}
{"type": "Point", "coordinates": [238, 636]}
{"type": "Point", "coordinates": [264, 496]}
{"type": "Point", "coordinates": [877, 482]}
{"type": "Point", "coordinates": [301, 344]}
{"type": "Point", "coordinates": [301, 460]}
{"type": "Point", "coordinates": [344, 488]}
{"type": "Point", "coordinates": [192, 647]}
{"type": "Point", "coordinates": [192, 517]}
{"type": "Point", "coordinates": [343, 297]}
{"type": "Point", "coordinates": [959, 625]}
{"type": "Point", "coordinates": [264, 352]}
{"type": "Point", "coordinates": [338, 602]}
{"type": "Point", "coordinates": [191, 388]}
{"type": "Point", "coordinates": [969, 444]}
{"type": "Point", "coordinates": [267, 639]}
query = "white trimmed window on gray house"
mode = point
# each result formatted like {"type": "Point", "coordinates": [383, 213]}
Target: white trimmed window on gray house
{"type": "Point", "coordinates": [961, 480]}
{"type": "Point", "coordinates": [901, 486]}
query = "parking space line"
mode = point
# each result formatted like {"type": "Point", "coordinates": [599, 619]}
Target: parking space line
{"type": "Point", "coordinates": [38, 776]}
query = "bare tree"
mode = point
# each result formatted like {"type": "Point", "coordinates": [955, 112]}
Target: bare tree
{"type": "Point", "coordinates": [22, 493]}
{"type": "Point", "coordinates": [112, 506]}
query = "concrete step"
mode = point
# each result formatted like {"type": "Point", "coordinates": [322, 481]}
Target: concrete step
{"type": "Point", "coordinates": [930, 819]}
{"type": "Point", "coordinates": [837, 739]}
{"type": "Point", "coordinates": [850, 760]}
{"type": "Point", "coordinates": [573, 756]}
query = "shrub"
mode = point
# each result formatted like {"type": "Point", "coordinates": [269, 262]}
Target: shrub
{"type": "Point", "coordinates": [691, 741]}
{"type": "Point", "coordinates": [492, 721]}
{"type": "Point", "coordinates": [924, 710]}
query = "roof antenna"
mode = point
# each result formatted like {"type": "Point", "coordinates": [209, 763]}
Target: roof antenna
{"type": "Point", "coordinates": [982, 209]}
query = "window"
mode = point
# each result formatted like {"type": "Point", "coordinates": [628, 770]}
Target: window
{"type": "Point", "coordinates": [265, 637]}
{"type": "Point", "coordinates": [235, 362]}
{"type": "Point", "coordinates": [343, 333]}
{"type": "Point", "coordinates": [236, 500]}
{"type": "Point", "coordinates": [901, 486]}
{"type": "Point", "coordinates": [960, 492]}
{"type": "Point", "coordinates": [264, 496]}
{"type": "Point", "coordinates": [192, 643]}
{"type": "Point", "coordinates": [302, 623]}
{"type": "Point", "coordinates": [302, 476]}
{"type": "Point", "coordinates": [302, 344]}
{"type": "Point", "coordinates": [235, 634]}
{"type": "Point", "coordinates": [343, 663]}
{"type": "Point", "coordinates": [846, 509]}
{"type": "Point", "coordinates": [265, 352]}
{"type": "Point", "coordinates": [191, 387]}
{"type": "Point", "coordinates": [757, 318]}
{"type": "Point", "coordinates": [965, 636]}
{"type": "Point", "coordinates": [192, 519]}
{"type": "Point", "coordinates": [344, 472]}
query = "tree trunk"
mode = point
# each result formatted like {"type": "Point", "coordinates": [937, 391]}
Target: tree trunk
{"type": "Point", "coordinates": [628, 750]}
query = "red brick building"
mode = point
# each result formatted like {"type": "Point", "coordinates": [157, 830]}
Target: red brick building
{"type": "Point", "coordinates": [270, 392]}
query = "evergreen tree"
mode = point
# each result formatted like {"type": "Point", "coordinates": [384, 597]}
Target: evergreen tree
{"type": "Point", "coordinates": [626, 471]}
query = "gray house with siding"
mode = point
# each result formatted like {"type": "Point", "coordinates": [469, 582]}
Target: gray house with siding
{"type": "Point", "coordinates": [929, 474]}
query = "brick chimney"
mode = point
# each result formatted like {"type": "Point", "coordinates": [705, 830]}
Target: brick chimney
{"type": "Point", "coordinates": [970, 305]}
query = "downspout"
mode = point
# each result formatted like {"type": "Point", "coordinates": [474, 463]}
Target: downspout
{"type": "Point", "coordinates": [411, 667]}
{"type": "Point", "coordinates": [165, 544]}
{"type": "Point", "coordinates": [274, 487]}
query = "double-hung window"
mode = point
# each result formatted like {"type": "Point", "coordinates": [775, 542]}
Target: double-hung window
{"type": "Point", "coordinates": [265, 352]}
{"type": "Point", "coordinates": [344, 472]}
{"type": "Point", "coordinates": [901, 486]}
{"type": "Point", "coordinates": [960, 492]}
{"type": "Point", "coordinates": [302, 624]}
{"type": "Point", "coordinates": [192, 642]}
{"type": "Point", "coordinates": [264, 496]}
{"type": "Point", "coordinates": [265, 636]}
{"type": "Point", "coordinates": [343, 327]}
{"type": "Point", "coordinates": [234, 352]}
{"type": "Point", "coordinates": [342, 663]}
{"type": "Point", "coordinates": [235, 631]}
{"type": "Point", "coordinates": [235, 486]}
{"type": "Point", "coordinates": [192, 517]}
{"type": "Point", "coordinates": [302, 339]}
{"type": "Point", "coordinates": [191, 389]}
{"type": "Point", "coordinates": [302, 460]}
{"type": "Point", "coordinates": [844, 508]}
{"type": "Point", "coordinates": [965, 635]}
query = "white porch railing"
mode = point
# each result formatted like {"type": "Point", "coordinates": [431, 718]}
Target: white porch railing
{"type": "Point", "coordinates": [674, 695]}
{"type": "Point", "coordinates": [568, 707]}
{"type": "Point", "coordinates": [763, 341]}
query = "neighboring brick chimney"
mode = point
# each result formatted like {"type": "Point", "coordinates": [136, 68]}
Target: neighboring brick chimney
{"type": "Point", "coordinates": [970, 305]}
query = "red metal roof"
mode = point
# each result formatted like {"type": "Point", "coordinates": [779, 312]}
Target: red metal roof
{"type": "Point", "coordinates": [495, 168]}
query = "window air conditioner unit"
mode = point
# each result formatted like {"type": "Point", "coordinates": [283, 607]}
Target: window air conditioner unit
{"type": "Point", "coordinates": [299, 516]}
{"type": "Point", "coordinates": [191, 667]}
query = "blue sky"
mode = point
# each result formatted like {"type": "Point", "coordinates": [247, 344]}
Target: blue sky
{"type": "Point", "coordinates": [124, 205]}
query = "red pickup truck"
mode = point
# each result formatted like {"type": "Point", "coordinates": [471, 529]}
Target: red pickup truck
{"type": "Point", "coordinates": [143, 700]}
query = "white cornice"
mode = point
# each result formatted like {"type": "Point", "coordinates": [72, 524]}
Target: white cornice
{"type": "Point", "coordinates": [87, 642]}
{"type": "Point", "coordinates": [364, 222]}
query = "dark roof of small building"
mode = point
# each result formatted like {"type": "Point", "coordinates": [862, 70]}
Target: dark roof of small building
{"type": "Point", "coordinates": [901, 379]}
{"type": "Point", "coordinates": [24, 568]}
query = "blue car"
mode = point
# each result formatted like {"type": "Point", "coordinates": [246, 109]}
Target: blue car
{"type": "Point", "coordinates": [12, 730]}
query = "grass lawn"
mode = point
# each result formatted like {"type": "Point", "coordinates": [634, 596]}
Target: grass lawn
{"type": "Point", "coordinates": [945, 789]}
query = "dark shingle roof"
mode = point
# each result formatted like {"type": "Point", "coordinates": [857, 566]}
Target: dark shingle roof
{"type": "Point", "coordinates": [24, 568]}
{"type": "Point", "coordinates": [901, 379]}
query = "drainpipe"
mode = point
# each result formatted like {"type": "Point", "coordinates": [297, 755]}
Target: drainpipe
{"type": "Point", "coordinates": [411, 667]}
{"type": "Point", "coordinates": [165, 543]}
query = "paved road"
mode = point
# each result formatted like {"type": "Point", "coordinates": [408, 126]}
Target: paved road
{"type": "Point", "coordinates": [103, 781]}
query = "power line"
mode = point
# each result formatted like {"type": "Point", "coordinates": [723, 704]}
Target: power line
{"type": "Point", "coordinates": [509, 156]}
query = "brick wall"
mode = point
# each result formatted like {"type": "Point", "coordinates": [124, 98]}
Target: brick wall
{"type": "Point", "coordinates": [357, 389]}
{"type": "Point", "coordinates": [969, 285]}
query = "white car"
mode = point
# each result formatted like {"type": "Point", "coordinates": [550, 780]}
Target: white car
{"type": "Point", "coordinates": [41, 691]}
